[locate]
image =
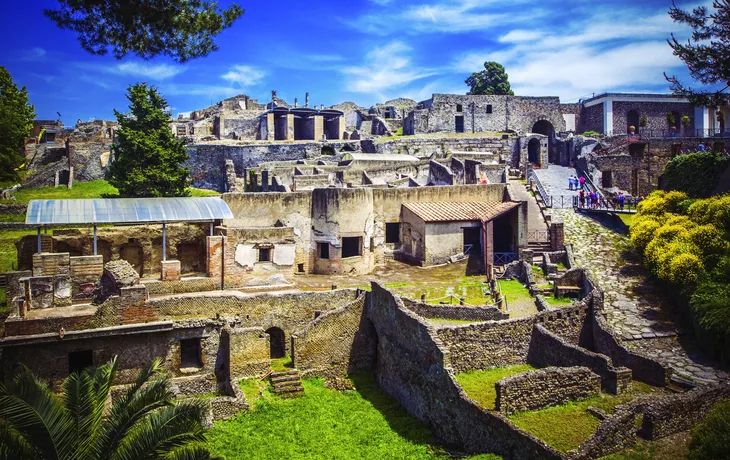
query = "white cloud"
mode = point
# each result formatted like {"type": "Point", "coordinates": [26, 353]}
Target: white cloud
{"type": "Point", "coordinates": [244, 75]}
{"type": "Point", "coordinates": [152, 71]}
{"type": "Point", "coordinates": [385, 67]}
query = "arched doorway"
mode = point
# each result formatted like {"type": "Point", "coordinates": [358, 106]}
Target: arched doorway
{"type": "Point", "coordinates": [277, 348]}
{"type": "Point", "coordinates": [632, 119]}
{"type": "Point", "coordinates": [533, 151]}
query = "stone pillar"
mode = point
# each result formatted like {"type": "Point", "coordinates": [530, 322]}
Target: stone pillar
{"type": "Point", "coordinates": [290, 126]}
{"type": "Point", "coordinates": [318, 127]}
{"type": "Point", "coordinates": [170, 270]}
{"type": "Point", "coordinates": [608, 117]}
{"type": "Point", "coordinates": [264, 180]}
{"type": "Point", "coordinates": [270, 129]}
{"type": "Point", "coordinates": [557, 236]}
{"type": "Point", "coordinates": [214, 256]}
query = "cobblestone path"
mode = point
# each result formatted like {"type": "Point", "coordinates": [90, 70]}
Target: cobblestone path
{"type": "Point", "coordinates": [636, 308]}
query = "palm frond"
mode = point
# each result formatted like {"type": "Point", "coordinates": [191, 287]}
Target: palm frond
{"type": "Point", "coordinates": [163, 431]}
{"type": "Point", "coordinates": [36, 412]}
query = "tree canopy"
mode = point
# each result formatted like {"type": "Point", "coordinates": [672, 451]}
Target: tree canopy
{"type": "Point", "coordinates": [147, 156]}
{"type": "Point", "coordinates": [145, 421]}
{"type": "Point", "coordinates": [492, 80]}
{"type": "Point", "coordinates": [181, 29]}
{"type": "Point", "coordinates": [16, 122]}
{"type": "Point", "coordinates": [706, 53]}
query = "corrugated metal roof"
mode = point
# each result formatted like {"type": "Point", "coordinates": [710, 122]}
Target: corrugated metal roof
{"type": "Point", "coordinates": [126, 211]}
{"type": "Point", "coordinates": [377, 157]}
{"type": "Point", "coordinates": [450, 211]}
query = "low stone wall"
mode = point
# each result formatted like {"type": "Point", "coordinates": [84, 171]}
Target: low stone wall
{"type": "Point", "coordinates": [534, 390]}
{"type": "Point", "coordinates": [548, 349]}
{"type": "Point", "coordinates": [426, 310]}
{"type": "Point", "coordinates": [335, 344]}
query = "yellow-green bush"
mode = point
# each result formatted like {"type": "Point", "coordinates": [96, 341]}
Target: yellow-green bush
{"type": "Point", "coordinates": [685, 269]}
{"type": "Point", "coordinates": [643, 232]}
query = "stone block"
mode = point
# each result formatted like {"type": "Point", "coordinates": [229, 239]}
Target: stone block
{"type": "Point", "coordinates": [170, 270]}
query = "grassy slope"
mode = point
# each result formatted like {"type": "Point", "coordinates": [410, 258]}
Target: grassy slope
{"type": "Point", "coordinates": [325, 424]}
{"type": "Point", "coordinates": [479, 385]}
{"type": "Point", "coordinates": [566, 426]}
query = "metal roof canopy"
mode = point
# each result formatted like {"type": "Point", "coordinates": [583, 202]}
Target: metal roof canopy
{"type": "Point", "coordinates": [44, 213]}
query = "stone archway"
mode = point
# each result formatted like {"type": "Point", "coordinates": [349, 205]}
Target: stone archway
{"type": "Point", "coordinates": [277, 345]}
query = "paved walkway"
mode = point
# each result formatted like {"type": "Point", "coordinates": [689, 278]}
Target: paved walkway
{"type": "Point", "coordinates": [555, 181]}
{"type": "Point", "coordinates": [636, 308]}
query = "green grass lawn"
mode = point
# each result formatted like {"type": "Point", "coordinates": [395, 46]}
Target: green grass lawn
{"type": "Point", "coordinates": [479, 385]}
{"type": "Point", "coordinates": [325, 424]}
{"type": "Point", "coordinates": [566, 426]}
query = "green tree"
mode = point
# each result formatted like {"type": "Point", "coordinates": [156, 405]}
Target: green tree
{"type": "Point", "coordinates": [145, 422]}
{"type": "Point", "coordinates": [16, 122]}
{"type": "Point", "coordinates": [492, 80]}
{"type": "Point", "coordinates": [181, 29]}
{"type": "Point", "coordinates": [147, 156]}
{"type": "Point", "coordinates": [706, 54]}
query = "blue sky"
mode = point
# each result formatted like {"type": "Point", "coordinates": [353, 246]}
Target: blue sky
{"type": "Point", "coordinates": [366, 51]}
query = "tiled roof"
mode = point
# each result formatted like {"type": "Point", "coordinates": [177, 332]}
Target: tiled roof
{"type": "Point", "coordinates": [449, 211]}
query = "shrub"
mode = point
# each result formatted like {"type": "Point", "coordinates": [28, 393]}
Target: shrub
{"type": "Point", "coordinates": [696, 174]}
{"type": "Point", "coordinates": [685, 269]}
{"type": "Point", "coordinates": [711, 303]}
{"type": "Point", "coordinates": [643, 232]}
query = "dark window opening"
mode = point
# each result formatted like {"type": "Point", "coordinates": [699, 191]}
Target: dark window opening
{"type": "Point", "coordinates": [489, 108]}
{"type": "Point", "coordinates": [323, 250]}
{"type": "Point", "coordinates": [459, 108]}
{"type": "Point", "coordinates": [392, 232]}
{"type": "Point", "coordinates": [190, 353]}
{"type": "Point", "coordinates": [264, 254]}
{"type": "Point", "coordinates": [351, 246]}
{"type": "Point", "coordinates": [80, 360]}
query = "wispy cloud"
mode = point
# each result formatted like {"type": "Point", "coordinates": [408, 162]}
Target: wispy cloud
{"type": "Point", "coordinates": [244, 76]}
{"type": "Point", "coordinates": [385, 67]}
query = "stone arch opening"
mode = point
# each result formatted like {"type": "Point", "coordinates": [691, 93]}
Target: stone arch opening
{"type": "Point", "coordinates": [277, 346]}
{"type": "Point", "coordinates": [533, 151]}
{"type": "Point", "coordinates": [632, 119]}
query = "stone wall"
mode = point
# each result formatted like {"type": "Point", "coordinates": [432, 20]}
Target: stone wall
{"type": "Point", "coordinates": [335, 344]}
{"type": "Point", "coordinates": [535, 390]}
{"type": "Point", "coordinates": [425, 310]}
{"type": "Point", "coordinates": [504, 343]}
{"type": "Point", "coordinates": [548, 349]}
{"type": "Point", "coordinates": [413, 367]}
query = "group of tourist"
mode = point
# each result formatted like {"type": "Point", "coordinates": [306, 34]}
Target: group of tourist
{"type": "Point", "coordinates": [574, 183]}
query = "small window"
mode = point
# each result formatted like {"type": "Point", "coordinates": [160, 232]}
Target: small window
{"type": "Point", "coordinates": [190, 353]}
{"type": "Point", "coordinates": [264, 254]}
{"type": "Point", "coordinates": [80, 360]}
{"type": "Point", "coordinates": [323, 250]}
{"type": "Point", "coordinates": [351, 246]}
{"type": "Point", "coordinates": [489, 108]}
{"type": "Point", "coordinates": [459, 108]}
{"type": "Point", "coordinates": [392, 232]}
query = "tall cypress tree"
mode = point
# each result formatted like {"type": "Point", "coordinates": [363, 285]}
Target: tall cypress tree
{"type": "Point", "coordinates": [707, 53]}
{"type": "Point", "coordinates": [16, 122]}
{"type": "Point", "coordinates": [147, 156]}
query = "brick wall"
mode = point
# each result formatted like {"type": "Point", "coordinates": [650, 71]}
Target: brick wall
{"type": "Point", "coordinates": [534, 390]}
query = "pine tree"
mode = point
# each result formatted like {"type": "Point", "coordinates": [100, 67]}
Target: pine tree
{"type": "Point", "coordinates": [16, 122]}
{"type": "Point", "coordinates": [492, 80]}
{"type": "Point", "coordinates": [181, 29]}
{"type": "Point", "coordinates": [706, 54]}
{"type": "Point", "coordinates": [147, 156]}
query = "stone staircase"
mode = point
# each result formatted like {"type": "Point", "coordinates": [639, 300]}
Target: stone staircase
{"type": "Point", "coordinates": [287, 384]}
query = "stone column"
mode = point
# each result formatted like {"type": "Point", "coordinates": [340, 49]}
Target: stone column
{"type": "Point", "coordinates": [290, 126]}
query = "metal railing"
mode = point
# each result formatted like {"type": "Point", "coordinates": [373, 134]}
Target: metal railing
{"type": "Point", "coordinates": [541, 190]}
{"type": "Point", "coordinates": [503, 258]}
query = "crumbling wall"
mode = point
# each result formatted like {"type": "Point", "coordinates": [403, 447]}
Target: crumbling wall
{"type": "Point", "coordinates": [535, 390]}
